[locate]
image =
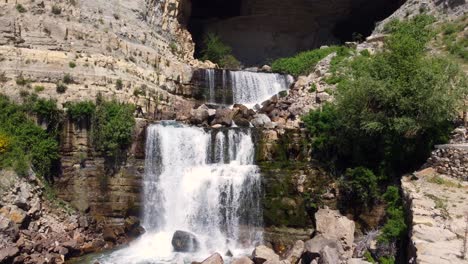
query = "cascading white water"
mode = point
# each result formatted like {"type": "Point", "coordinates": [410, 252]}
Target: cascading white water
{"type": "Point", "coordinates": [255, 87]}
{"type": "Point", "coordinates": [203, 182]}
{"type": "Point", "coordinates": [248, 88]}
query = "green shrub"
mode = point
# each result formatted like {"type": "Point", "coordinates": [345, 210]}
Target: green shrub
{"type": "Point", "coordinates": [67, 78]}
{"type": "Point", "coordinates": [28, 143]}
{"type": "Point", "coordinates": [20, 80]}
{"type": "Point", "coordinates": [395, 226]}
{"type": "Point", "coordinates": [56, 10]}
{"type": "Point", "coordinates": [392, 107]}
{"type": "Point", "coordinates": [39, 88]}
{"type": "Point", "coordinates": [81, 111]}
{"type": "Point", "coordinates": [72, 64]}
{"type": "Point", "coordinates": [359, 188]}
{"type": "Point", "coordinates": [20, 8]}
{"type": "Point", "coordinates": [119, 84]}
{"type": "Point", "coordinates": [112, 126]}
{"type": "Point", "coordinates": [218, 52]}
{"type": "Point", "coordinates": [303, 62]}
{"type": "Point", "coordinates": [61, 88]}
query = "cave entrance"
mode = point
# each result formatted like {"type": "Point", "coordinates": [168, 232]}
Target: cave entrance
{"type": "Point", "coordinates": [260, 31]}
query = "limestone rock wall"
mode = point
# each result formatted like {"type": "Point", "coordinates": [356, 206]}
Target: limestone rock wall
{"type": "Point", "coordinates": [109, 196]}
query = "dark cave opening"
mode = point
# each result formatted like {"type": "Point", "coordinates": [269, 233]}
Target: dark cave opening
{"type": "Point", "coordinates": [260, 31]}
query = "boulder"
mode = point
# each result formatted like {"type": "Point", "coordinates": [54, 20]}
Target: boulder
{"type": "Point", "coordinates": [260, 120]}
{"type": "Point", "coordinates": [15, 214]}
{"type": "Point", "coordinates": [214, 259]}
{"type": "Point", "coordinates": [199, 115]}
{"type": "Point", "coordinates": [262, 254]}
{"type": "Point", "coordinates": [8, 253]}
{"type": "Point", "coordinates": [241, 122]}
{"type": "Point", "coordinates": [329, 255]}
{"type": "Point", "coordinates": [266, 68]}
{"type": "Point", "coordinates": [313, 248]}
{"type": "Point", "coordinates": [294, 254]}
{"type": "Point", "coordinates": [183, 241]}
{"type": "Point", "coordinates": [332, 225]}
{"type": "Point", "coordinates": [223, 117]}
{"type": "Point", "coordinates": [323, 97]}
{"type": "Point", "coordinates": [242, 260]}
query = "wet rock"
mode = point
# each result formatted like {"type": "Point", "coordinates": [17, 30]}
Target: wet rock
{"type": "Point", "coordinates": [266, 68]}
{"type": "Point", "coordinates": [199, 115]}
{"type": "Point", "coordinates": [241, 122]}
{"type": "Point", "coordinates": [8, 253]}
{"type": "Point", "coordinates": [214, 259]}
{"type": "Point", "coordinates": [262, 254]}
{"type": "Point", "coordinates": [183, 241]}
{"type": "Point", "coordinates": [242, 260]}
{"type": "Point", "coordinates": [223, 117]}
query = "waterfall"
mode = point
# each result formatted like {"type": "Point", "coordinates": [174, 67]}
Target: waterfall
{"type": "Point", "coordinates": [200, 181]}
{"type": "Point", "coordinates": [243, 87]}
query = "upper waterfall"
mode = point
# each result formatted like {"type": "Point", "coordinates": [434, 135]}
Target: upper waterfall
{"type": "Point", "coordinates": [202, 182]}
{"type": "Point", "coordinates": [239, 87]}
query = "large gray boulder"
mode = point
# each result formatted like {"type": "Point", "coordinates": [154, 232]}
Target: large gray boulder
{"type": "Point", "coordinates": [260, 120]}
{"type": "Point", "coordinates": [214, 259]}
{"type": "Point", "coordinates": [333, 226]}
{"type": "Point", "coordinates": [313, 248]}
{"type": "Point", "coordinates": [183, 241]}
{"type": "Point", "coordinates": [262, 254]}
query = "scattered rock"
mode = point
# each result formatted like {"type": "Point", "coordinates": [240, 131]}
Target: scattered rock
{"type": "Point", "coordinates": [262, 254]}
{"type": "Point", "coordinates": [295, 253]}
{"type": "Point", "coordinates": [223, 117]}
{"type": "Point", "coordinates": [8, 254]}
{"type": "Point", "coordinates": [183, 241]}
{"type": "Point", "coordinates": [260, 120]}
{"type": "Point", "coordinates": [214, 259]}
{"type": "Point", "coordinates": [242, 260]}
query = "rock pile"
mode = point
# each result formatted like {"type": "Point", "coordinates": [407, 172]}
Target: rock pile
{"type": "Point", "coordinates": [33, 229]}
{"type": "Point", "coordinates": [332, 244]}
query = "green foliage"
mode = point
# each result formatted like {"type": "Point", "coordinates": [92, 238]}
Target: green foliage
{"type": "Point", "coordinates": [20, 80]}
{"type": "Point", "coordinates": [119, 84]}
{"type": "Point", "coordinates": [56, 10]}
{"type": "Point", "coordinates": [395, 227]}
{"type": "Point", "coordinates": [39, 88]}
{"type": "Point", "coordinates": [454, 39]}
{"type": "Point", "coordinates": [368, 257]}
{"type": "Point", "coordinates": [113, 124]}
{"type": "Point", "coordinates": [387, 260]}
{"type": "Point", "coordinates": [28, 143]}
{"type": "Point", "coordinates": [218, 52]}
{"type": "Point", "coordinates": [20, 8]}
{"type": "Point", "coordinates": [304, 62]}
{"type": "Point", "coordinates": [392, 107]}
{"type": "Point", "coordinates": [359, 188]}
{"type": "Point", "coordinates": [68, 79]}
{"type": "Point", "coordinates": [81, 111]}
{"type": "Point", "coordinates": [72, 64]}
{"type": "Point", "coordinates": [61, 88]}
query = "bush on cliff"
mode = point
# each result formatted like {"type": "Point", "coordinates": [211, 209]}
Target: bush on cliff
{"type": "Point", "coordinates": [27, 142]}
{"type": "Point", "coordinates": [304, 62]}
{"type": "Point", "coordinates": [218, 52]}
{"type": "Point", "coordinates": [81, 111]}
{"type": "Point", "coordinates": [359, 189]}
{"type": "Point", "coordinates": [112, 127]}
{"type": "Point", "coordinates": [392, 107]}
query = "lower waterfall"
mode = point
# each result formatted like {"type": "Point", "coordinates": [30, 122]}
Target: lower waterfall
{"type": "Point", "coordinates": [200, 181]}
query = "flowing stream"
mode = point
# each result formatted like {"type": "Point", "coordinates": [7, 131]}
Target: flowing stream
{"type": "Point", "coordinates": [200, 181]}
